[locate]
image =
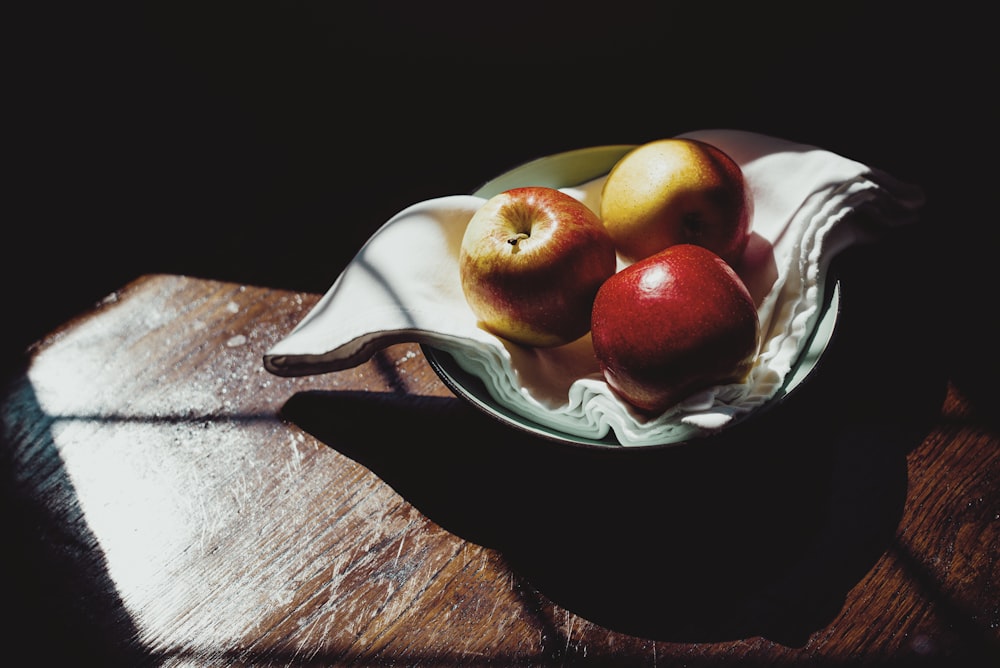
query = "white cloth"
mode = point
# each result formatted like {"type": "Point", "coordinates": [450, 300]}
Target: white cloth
{"type": "Point", "coordinates": [404, 285]}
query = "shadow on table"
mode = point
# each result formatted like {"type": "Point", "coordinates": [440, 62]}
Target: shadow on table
{"type": "Point", "coordinates": [63, 608]}
{"type": "Point", "coordinates": [721, 541]}
{"type": "Point", "coordinates": [761, 530]}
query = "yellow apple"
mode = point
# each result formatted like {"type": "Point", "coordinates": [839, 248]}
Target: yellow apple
{"type": "Point", "coordinates": [677, 191]}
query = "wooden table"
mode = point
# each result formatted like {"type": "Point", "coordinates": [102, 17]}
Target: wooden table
{"type": "Point", "coordinates": [174, 504]}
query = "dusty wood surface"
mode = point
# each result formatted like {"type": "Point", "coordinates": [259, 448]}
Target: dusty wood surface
{"type": "Point", "coordinates": [174, 504]}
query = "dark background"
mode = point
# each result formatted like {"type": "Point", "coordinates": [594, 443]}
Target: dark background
{"type": "Point", "coordinates": [264, 142]}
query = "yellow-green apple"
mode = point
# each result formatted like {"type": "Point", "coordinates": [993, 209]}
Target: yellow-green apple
{"type": "Point", "coordinates": [672, 324]}
{"type": "Point", "coordinates": [530, 263]}
{"type": "Point", "coordinates": [675, 191]}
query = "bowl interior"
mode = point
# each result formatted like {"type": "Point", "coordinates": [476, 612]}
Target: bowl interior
{"type": "Point", "coordinates": [568, 169]}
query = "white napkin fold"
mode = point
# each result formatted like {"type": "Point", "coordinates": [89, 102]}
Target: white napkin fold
{"type": "Point", "coordinates": [403, 285]}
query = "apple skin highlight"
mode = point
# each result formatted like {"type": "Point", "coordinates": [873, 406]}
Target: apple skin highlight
{"type": "Point", "coordinates": [672, 324]}
{"type": "Point", "coordinates": [531, 262]}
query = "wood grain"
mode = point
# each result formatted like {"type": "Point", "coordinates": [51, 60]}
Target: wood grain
{"type": "Point", "coordinates": [189, 509]}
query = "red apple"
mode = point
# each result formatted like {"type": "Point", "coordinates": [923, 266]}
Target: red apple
{"type": "Point", "coordinates": [672, 324]}
{"type": "Point", "coordinates": [531, 261]}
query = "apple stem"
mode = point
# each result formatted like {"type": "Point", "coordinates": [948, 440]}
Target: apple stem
{"type": "Point", "coordinates": [514, 240]}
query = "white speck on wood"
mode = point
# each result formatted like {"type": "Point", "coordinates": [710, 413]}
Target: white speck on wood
{"type": "Point", "coordinates": [399, 551]}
